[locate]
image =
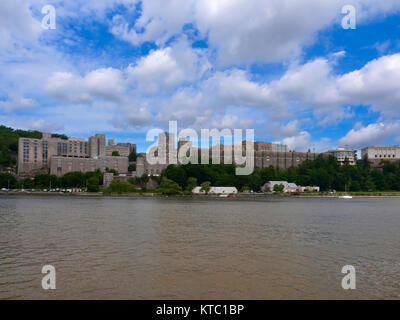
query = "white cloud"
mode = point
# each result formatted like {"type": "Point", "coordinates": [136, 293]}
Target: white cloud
{"type": "Point", "coordinates": [46, 126]}
{"type": "Point", "coordinates": [167, 68]}
{"type": "Point", "coordinates": [372, 134]}
{"type": "Point", "coordinates": [245, 31]}
{"type": "Point", "coordinates": [377, 85]}
{"type": "Point", "coordinates": [107, 83]}
{"type": "Point", "coordinates": [17, 26]}
{"type": "Point", "coordinates": [17, 104]}
{"type": "Point", "coordinates": [299, 142]}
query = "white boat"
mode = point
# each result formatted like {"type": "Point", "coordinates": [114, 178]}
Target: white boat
{"type": "Point", "coordinates": [346, 196]}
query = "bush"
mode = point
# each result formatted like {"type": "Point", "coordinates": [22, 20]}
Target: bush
{"type": "Point", "coordinates": [93, 184]}
{"type": "Point", "coordinates": [121, 187]}
{"type": "Point", "coordinates": [168, 186]}
{"type": "Point", "coordinates": [206, 186]}
{"type": "Point", "coordinates": [6, 179]}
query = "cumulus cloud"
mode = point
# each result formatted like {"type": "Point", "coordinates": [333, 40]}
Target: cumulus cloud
{"type": "Point", "coordinates": [165, 69]}
{"type": "Point", "coordinates": [46, 126]}
{"type": "Point", "coordinates": [377, 85]}
{"type": "Point", "coordinates": [17, 26]}
{"type": "Point", "coordinates": [372, 134]}
{"type": "Point", "coordinates": [17, 104]}
{"type": "Point", "coordinates": [244, 31]}
{"type": "Point", "coordinates": [107, 83]}
{"type": "Point", "coordinates": [298, 142]}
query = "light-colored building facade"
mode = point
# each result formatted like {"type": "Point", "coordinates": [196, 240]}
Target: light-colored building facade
{"type": "Point", "coordinates": [287, 186]}
{"type": "Point", "coordinates": [123, 149]}
{"type": "Point", "coordinates": [216, 190]}
{"type": "Point", "coordinates": [375, 154]}
{"type": "Point", "coordinates": [59, 156]}
{"type": "Point", "coordinates": [344, 155]}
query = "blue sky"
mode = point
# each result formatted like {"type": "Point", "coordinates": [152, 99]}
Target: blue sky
{"type": "Point", "coordinates": [285, 68]}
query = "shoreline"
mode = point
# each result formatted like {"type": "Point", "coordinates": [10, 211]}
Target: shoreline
{"type": "Point", "coordinates": [161, 196]}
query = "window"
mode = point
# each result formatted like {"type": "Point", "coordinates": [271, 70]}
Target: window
{"type": "Point", "coordinates": [26, 150]}
{"type": "Point", "coordinates": [35, 151]}
{"type": "Point", "coordinates": [45, 151]}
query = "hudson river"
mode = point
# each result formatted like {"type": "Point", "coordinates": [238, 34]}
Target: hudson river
{"type": "Point", "coordinates": [110, 248]}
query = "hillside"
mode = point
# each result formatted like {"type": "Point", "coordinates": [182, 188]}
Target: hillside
{"type": "Point", "coordinates": [9, 145]}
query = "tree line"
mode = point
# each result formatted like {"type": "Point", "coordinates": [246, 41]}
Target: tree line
{"type": "Point", "coordinates": [325, 172]}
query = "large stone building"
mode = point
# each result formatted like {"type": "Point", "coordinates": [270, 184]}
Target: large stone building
{"type": "Point", "coordinates": [344, 156]}
{"type": "Point", "coordinates": [59, 156]}
{"type": "Point", "coordinates": [266, 154]}
{"type": "Point", "coordinates": [375, 154]}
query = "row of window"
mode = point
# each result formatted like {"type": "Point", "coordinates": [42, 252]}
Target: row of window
{"type": "Point", "coordinates": [385, 156]}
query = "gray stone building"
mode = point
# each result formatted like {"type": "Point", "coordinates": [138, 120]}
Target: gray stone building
{"type": "Point", "coordinates": [344, 155]}
{"type": "Point", "coordinates": [265, 154]}
{"type": "Point", "coordinates": [60, 156]}
{"type": "Point", "coordinates": [375, 154]}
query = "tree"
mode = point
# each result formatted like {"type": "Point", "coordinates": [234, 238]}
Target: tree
{"type": "Point", "coordinates": [132, 167]}
{"type": "Point", "coordinates": [177, 174]}
{"type": "Point", "coordinates": [108, 170]}
{"type": "Point", "coordinates": [7, 180]}
{"type": "Point", "coordinates": [279, 188]}
{"type": "Point", "coordinates": [9, 145]}
{"type": "Point", "coordinates": [168, 186]}
{"type": "Point", "coordinates": [115, 154]}
{"type": "Point", "coordinates": [206, 187]}
{"type": "Point", "coordinates": [73, 180]}
{"type": "Point", "coordinates": [93, 184]}
{"type": "Point", "coordinates": [132, 156]}
{"type": "Point", "coordinates": [191, 183]}
{"type": "Point", "coordinates": [121, 187]}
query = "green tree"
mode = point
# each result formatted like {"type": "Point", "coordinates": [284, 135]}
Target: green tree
{"type": "Point", "coordinates": [132, 156]}
{"type": "Point", "coordinates": [7, 180]}
{"type": "Point", "coordinates": [73, 180]}
{"type": "Point", "coordinates": [206, 187]}
{"type": "Point", "coordinates": [121, 187]}
{"type": "Point", "coordinates": [93, 184]}
{"type": "Point", "coordinates": [177, 174]}
{"type": "Point", "coordinates": [169, 187]}
{"type": "Point", "coordinates": [115, 154]}
{"type": "Point", "coordinates": [279, 188]}
{"type": "Point", "coordinates": [191, 183]}
{"type": "Point", "coordinates": [108, 170]}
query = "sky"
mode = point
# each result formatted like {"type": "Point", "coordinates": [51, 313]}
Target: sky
{"type": "Point", "coordinates": [286, 68]}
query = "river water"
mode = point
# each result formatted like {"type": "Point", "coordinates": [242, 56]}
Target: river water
{"type": "Point", "coordinates": [123, 248]}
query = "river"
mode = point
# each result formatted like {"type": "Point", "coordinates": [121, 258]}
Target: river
{"type": "Point", "coordinates": [270, 248]}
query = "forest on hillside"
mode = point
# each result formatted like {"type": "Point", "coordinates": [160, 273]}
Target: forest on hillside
{"type": "Point", "coordinates": [9, 145]}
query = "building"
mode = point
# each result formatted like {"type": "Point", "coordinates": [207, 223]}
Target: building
{"type": "Point", "coordinates": [59, 156]}
{"type": "Point", "coordinates": [123, 149]}
{"type": "Point", "coordinates": [216, 190]}
{"type": "Point", "coordinates": [310, 189]}
{"type": "Point", "coordinates": [375, 154]}
{"type": "Point", "coordinates": [287, 186]}
{"type": "Point", "coordinates": [344, 155]}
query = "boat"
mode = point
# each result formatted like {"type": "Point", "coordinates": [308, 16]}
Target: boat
{"type": "Point", "coordinates": [346, 196]}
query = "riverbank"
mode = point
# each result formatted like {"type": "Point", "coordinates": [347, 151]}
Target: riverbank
{"type": "Point", "coordinates": [237, 196]}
